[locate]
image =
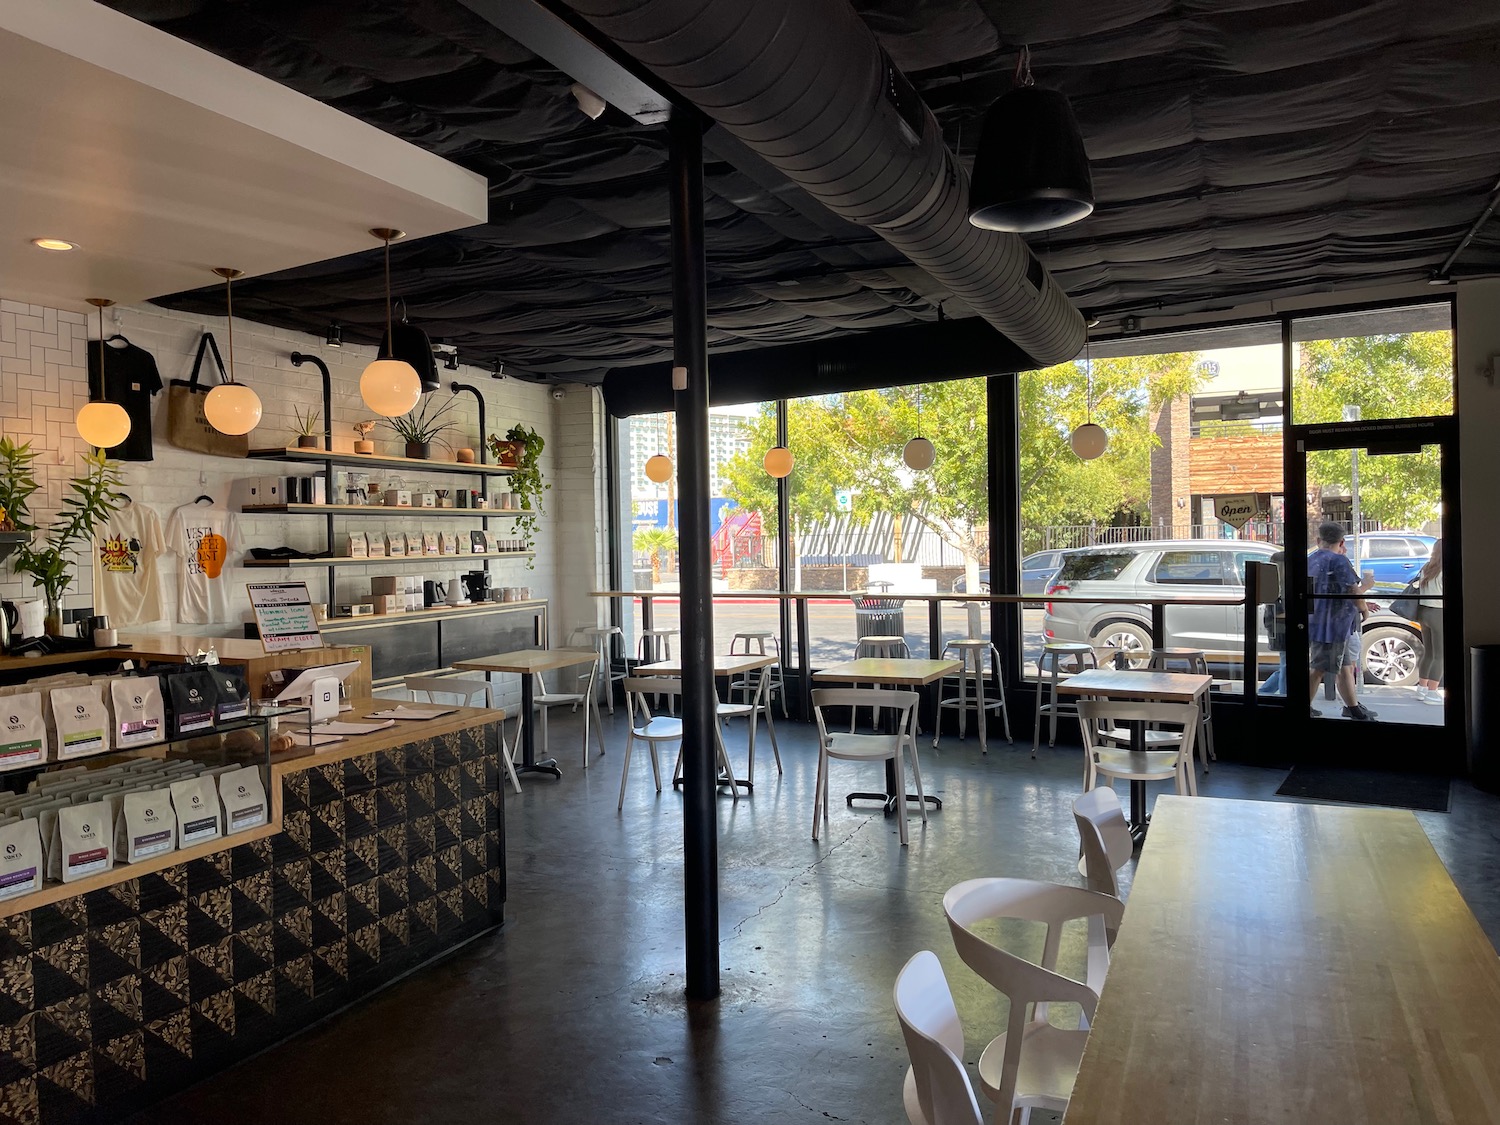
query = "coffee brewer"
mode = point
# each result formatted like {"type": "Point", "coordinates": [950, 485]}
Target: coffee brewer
{"type": "Point", "coordinates": [477, 583]}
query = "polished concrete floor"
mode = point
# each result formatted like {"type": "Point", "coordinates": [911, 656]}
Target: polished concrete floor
{"type": "Point", "coordinates": [574, 1011]}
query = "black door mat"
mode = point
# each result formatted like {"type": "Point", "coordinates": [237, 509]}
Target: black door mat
{"type": "Point", "coordinates": [1428, 792]}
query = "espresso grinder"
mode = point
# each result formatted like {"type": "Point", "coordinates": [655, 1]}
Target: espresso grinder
{"type": "Point", "coordinates": [477, 585]}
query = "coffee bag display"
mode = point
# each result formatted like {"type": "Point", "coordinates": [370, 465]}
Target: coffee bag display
{"type": "Point", "coordinates": [20, 858]}
{"type": "Point", "coordinates": [147, 825]}
{"type": "Point", "coordinates": [244, 797]}
{"type": "Point", "coordinates": [86, 841]}
{"type": "Point", "coordinates": [140, 714]}
{"type": "Point", "coordinates": [79, 720]}
{"type": "Point", "coordinates": [234, 694]}
{"type": "Point", "coordinates": [197, 806]}
{"type": "Point", "coordinates": [195, 701]}
{"type": "Point", "coordinates": [23, 730]}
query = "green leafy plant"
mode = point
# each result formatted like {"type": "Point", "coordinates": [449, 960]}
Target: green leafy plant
{"type": "Point", "coordinates": [307, 423]}
{"type": "Point", "coordinates": [92, 497]}
{"type": "Point", "coordinates": [422, 425]}
{"type": "Point", "coordinates": [655, 542]}
{"type": "Point", "coordinates": [527, 483]}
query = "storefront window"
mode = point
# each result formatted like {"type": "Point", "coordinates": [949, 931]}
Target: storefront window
{"type": "Point", "coordinates": [1373, 366]}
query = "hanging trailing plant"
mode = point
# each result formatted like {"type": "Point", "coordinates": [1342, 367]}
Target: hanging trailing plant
{"type": "Point", "coordinates": [526, 483]}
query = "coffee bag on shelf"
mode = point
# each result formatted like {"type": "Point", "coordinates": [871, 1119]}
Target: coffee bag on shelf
{"type": "Point", "coordinates": [194, 700]}
{"type": "Point", "coordinates": [86, 840]}
{"type": "Point", "coordinates": [146, 826]}
{"type": "Point", "coordinates": [21, 866]}
{"type": "Point", "coordinates": [234, 693]}
{"type": "Point", "coordinates": [23, 730]}
{"type": "Point", "coordinates": [244, 796]}
{"type": "Point", "coordinates": [199, 818]}
{"type": "Point", "coordinates": [78, 721]}
{"type": "Point", "coordinates": [140, 713]}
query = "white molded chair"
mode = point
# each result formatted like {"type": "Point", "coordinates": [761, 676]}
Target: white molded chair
{"type": "Point", "coordinates": [1105, 840]}
{"type": "Point", "coordinates": [543, 701]}
{"type": "Point", "coordinates": [646, 727]}
{"type": "Point", "coordinates": [598, 637]}
{"type": "Point", "coordinates": [466, 689]}
{"type": "Point", "coordinates": [1172, 760]}
{"type": "Point", "coordinates": [868, 747]}
{"type": "Point", "coordinates": [1033, 1064]}
{"type": "Point", "coordinates": [937, 1090]}
{"type": "Point", "coordinates": [757, 704]}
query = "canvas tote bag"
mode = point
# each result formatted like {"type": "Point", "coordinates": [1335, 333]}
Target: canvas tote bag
{"type": "Point", "coordinates": [187, 428]}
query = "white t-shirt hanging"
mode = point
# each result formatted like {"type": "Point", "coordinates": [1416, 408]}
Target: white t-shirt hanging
{"type": "Point", "coordinates": [203, 537]}
{"type": "Point", "coordinates": [127, 578]}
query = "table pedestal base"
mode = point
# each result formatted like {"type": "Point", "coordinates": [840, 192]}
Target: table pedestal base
{"type": "Point", "coordinates": [546, 765]}
{"type": "Point", "coordinates": [889, 800]}
{"type": "Point", "coordinates": [1140, 820]}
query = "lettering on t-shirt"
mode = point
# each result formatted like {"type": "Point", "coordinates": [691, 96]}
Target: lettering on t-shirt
{"type": "Point", "coordinates": [119, 554]}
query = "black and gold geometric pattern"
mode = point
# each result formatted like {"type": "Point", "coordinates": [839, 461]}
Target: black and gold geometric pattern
{"type": "Point", "coordinates": [117, 998]}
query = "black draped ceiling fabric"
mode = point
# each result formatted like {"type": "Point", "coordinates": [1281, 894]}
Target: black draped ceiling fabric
{"type": "Point", "coordinates": [1240, 152]}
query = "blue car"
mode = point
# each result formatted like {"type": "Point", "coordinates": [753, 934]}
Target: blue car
{"type": "Point", "coordinates": [1036, 574]}
{"type": "Point", "coordinates": [1394, 556]}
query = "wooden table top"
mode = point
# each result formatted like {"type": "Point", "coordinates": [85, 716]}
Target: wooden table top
{"type": "Point", "coordinates": [892, 670]}
{"type": "Point", "coordinates": [1159, 687]}
{"type": "Point", "coordinates": [524, 660]}
{"type": "Point", "coordinates": [1293, 963]}
{"type": "Point", "coordinates": [724, 665]}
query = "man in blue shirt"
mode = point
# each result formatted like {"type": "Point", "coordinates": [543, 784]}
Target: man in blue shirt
{"type": "Point", "coordinates": [1333, 621]}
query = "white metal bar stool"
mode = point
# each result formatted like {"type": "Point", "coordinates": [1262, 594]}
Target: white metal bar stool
{"type": "Point", "coordinates": [754, 644]}
{"type": "Point", "coordinates": [467, 689]}
{"type": "Point", "coordinates": [1195, 661]}
{"type": "Point", "coordinates": [1050, 672]}
{"type": "Point", "coordinates": [598, 637]}
{"type": "Point", "coordinates": [972, 651]}
{"type": "Point", "coordinates": [877, 647]}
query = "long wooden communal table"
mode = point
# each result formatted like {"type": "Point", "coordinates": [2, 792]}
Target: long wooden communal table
{"type": "Point", "coordinates": [889, 672]}
{"type": "Point", "coordinates": [527, 662]}
{"type": "Point", "coordinates": [1149, 687]}
{"type": "Point", "coordinates": [1285, 963]}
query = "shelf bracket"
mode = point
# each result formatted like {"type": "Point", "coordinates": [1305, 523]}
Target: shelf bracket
{"type": "Point", "coordinates": [484, 443]}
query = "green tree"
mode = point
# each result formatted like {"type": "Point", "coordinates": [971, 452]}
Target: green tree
{"type": "Point", "coordinates": [655, 541]}
{"type": "Point", "coordinates": [1407, 375]}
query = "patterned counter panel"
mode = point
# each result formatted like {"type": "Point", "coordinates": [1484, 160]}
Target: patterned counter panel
{"type": "Point", "coordinates": [115, 999]}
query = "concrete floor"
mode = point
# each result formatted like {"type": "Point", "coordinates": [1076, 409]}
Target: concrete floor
{"type": "Point", "coordinates": [573, 1012]}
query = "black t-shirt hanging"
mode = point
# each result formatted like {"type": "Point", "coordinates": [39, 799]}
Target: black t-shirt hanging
{"type": "Point", "coordinates": [132, 379]}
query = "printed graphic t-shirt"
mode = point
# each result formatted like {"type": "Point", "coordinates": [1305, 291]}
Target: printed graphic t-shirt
{"type": "Point", "coordinates": [127, 579]}
{"type": "Point", "coordinates": [131, 379]}
{"type": "Point", "coordinates": [202, 536]}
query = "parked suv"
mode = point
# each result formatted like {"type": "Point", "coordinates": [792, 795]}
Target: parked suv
{"type": "Point", "coordinates": [1394, 556]}
{"type": "Point", "coordinates": [1194, 568]}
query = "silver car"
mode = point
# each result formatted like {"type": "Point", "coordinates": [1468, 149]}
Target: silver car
{"type": "Point", "coordinates": [1193, 568]}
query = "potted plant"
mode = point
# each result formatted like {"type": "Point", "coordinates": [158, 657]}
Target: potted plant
{"type": "Point", "coordinates": [363, 444]}
{"type": "Point", "coordinates": [307, 427]}
{"type": "Point", "coordinates": [93, 497]}
{"type": "Point", "coordinates": [526, 482]}
{"type": "Point", "coordinates": [418, 427]}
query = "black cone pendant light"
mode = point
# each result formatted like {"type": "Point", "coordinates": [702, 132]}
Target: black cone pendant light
{"type": "Point", "coordinates": [1030, 171]}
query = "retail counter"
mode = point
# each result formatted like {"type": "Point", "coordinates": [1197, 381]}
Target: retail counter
{"type": "Point", "coordinates": [382, 852]}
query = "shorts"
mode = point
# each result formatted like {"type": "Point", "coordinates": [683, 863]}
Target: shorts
{"type": "Point", "coordinates": [1328, 657]}
{"type": "Point", "coordinates": [1352, 649]}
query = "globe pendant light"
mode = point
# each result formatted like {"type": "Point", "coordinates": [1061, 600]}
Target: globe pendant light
{"type": "Point", "coordinates": [1031, 172]}
{"type": "Point", "coordinates": [103, 424]}
{"type": "Point", "coordinates": [919, 453]}
{"type": "Point", "coordinates": [389, 386]}
{"type": "Point", "coordinates": [779, 461]}
{"type": "Point", "coordinates": [231, 407]}
{"type": "Point", "coordinates": [659, 468]}
{"type": "Point", "coordinates": [1089, 440]}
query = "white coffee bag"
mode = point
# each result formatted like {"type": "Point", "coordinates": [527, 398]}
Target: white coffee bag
{"type": "Point", "coordinates": [87, 840]}
{"type": "Point", "coordinates": [198, 813]}
{"type": "Point", "coordinates": [140, 713]}
{"type": "Point", "coordinates": [23, 730]}
{"type": "Point", "coordinates": [80, 719]}
{"type": "Point", "coordinates": [21, 863]}
{"type": "Point", "coordinates": [244, 797]}
{"type": "Point", "coordinates": [147, 825]}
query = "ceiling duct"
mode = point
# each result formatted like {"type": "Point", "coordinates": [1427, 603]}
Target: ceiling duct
{"type": "Point", "coordinates": [804, 84]}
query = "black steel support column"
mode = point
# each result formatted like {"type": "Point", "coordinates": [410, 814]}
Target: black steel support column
{"type": "Point", "coordinates": [784, 551]}
{"type": "Point", "coordinates": [1002, 403]}
{"type": "Point", "coordinates": [699, 701]}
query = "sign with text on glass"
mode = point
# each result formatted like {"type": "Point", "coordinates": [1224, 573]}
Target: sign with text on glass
{"type": "Point", "coordinates": [1240, 508]}
{"type": "Point", "coordinates": [284, 616]}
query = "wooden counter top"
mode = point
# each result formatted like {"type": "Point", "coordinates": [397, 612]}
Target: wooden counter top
{"type": "Point", "coordinates": [300, 758]}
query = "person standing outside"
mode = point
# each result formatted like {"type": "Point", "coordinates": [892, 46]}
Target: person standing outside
{"type": "Point", "coordinates": [1275, 620]}
{"type": "Point", "coordinates": [1430, 618]}
{"type": "Point", "coordinates": [1334, 620]}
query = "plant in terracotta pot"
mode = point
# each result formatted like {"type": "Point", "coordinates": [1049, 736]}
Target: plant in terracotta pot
{"type": "Point", "coordinates": [419, 427]}
{"type": "Point", "coordinates": [307, 426]}
{"type": "Point", "coordinates": [526, 483]}
{"type": "Point", "coordinates": [91, 498]}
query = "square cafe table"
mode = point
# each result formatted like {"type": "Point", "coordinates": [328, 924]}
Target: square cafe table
{"type": "Point", "coordinates": [1147, 687]}
{"type": "Point", "coordinates": [525, 662]}
{"type": "Point", "coordinates": [888, 672]}
{"type": "Point", "coordinates": [724, 665]}
{"type": "Point", "coordinates": [1283, 963]}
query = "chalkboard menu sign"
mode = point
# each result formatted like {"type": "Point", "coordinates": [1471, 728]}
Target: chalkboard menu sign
{"type": "Point", "coordinates": [284, 613]}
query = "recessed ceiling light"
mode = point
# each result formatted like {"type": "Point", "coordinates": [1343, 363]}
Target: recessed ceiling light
{"type": "Point", "coordinates": [54, 244]}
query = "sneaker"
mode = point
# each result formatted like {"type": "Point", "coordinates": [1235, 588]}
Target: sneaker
{"type": "Point", "coordinates": [1358, 711]}
{"type": "Point", "coordinates": [1421, 692]}
{"type": "Point", "coordinates": [1433, 699]}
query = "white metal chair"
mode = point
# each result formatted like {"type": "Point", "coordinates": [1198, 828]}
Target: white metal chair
{"type": "Point", "coordinates": [756, 705]}
{"type": "Point", "coordinates": [1050, 673]}
{"type": "Point", "coordinates": [868, 747]}
{"type": "Point", "coordinates": [1171, 761]}
{"type": "Point", "coordinates": [1105, 841]}
{"type": "Point", "coordinates": [1032, 1065]}
{"type": "Point", "coordinates": [542, 701]}
{"type": "Point", "coordinates": [937, 1090]}
{"type": "Point", "coordinates": [598, 637]}
{"type": "Point", "coordinates": [646, 727]}
{"type": "Point", "coordinates": [1195, 661]}
{"type": "Point", "coordinates": [466, 689]}
{"type": "Point", "coordinates": [972, 678]}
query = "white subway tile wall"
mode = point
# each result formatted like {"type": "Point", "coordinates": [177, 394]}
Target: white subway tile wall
{"type": "Point", "coordinates": [43, 381]}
